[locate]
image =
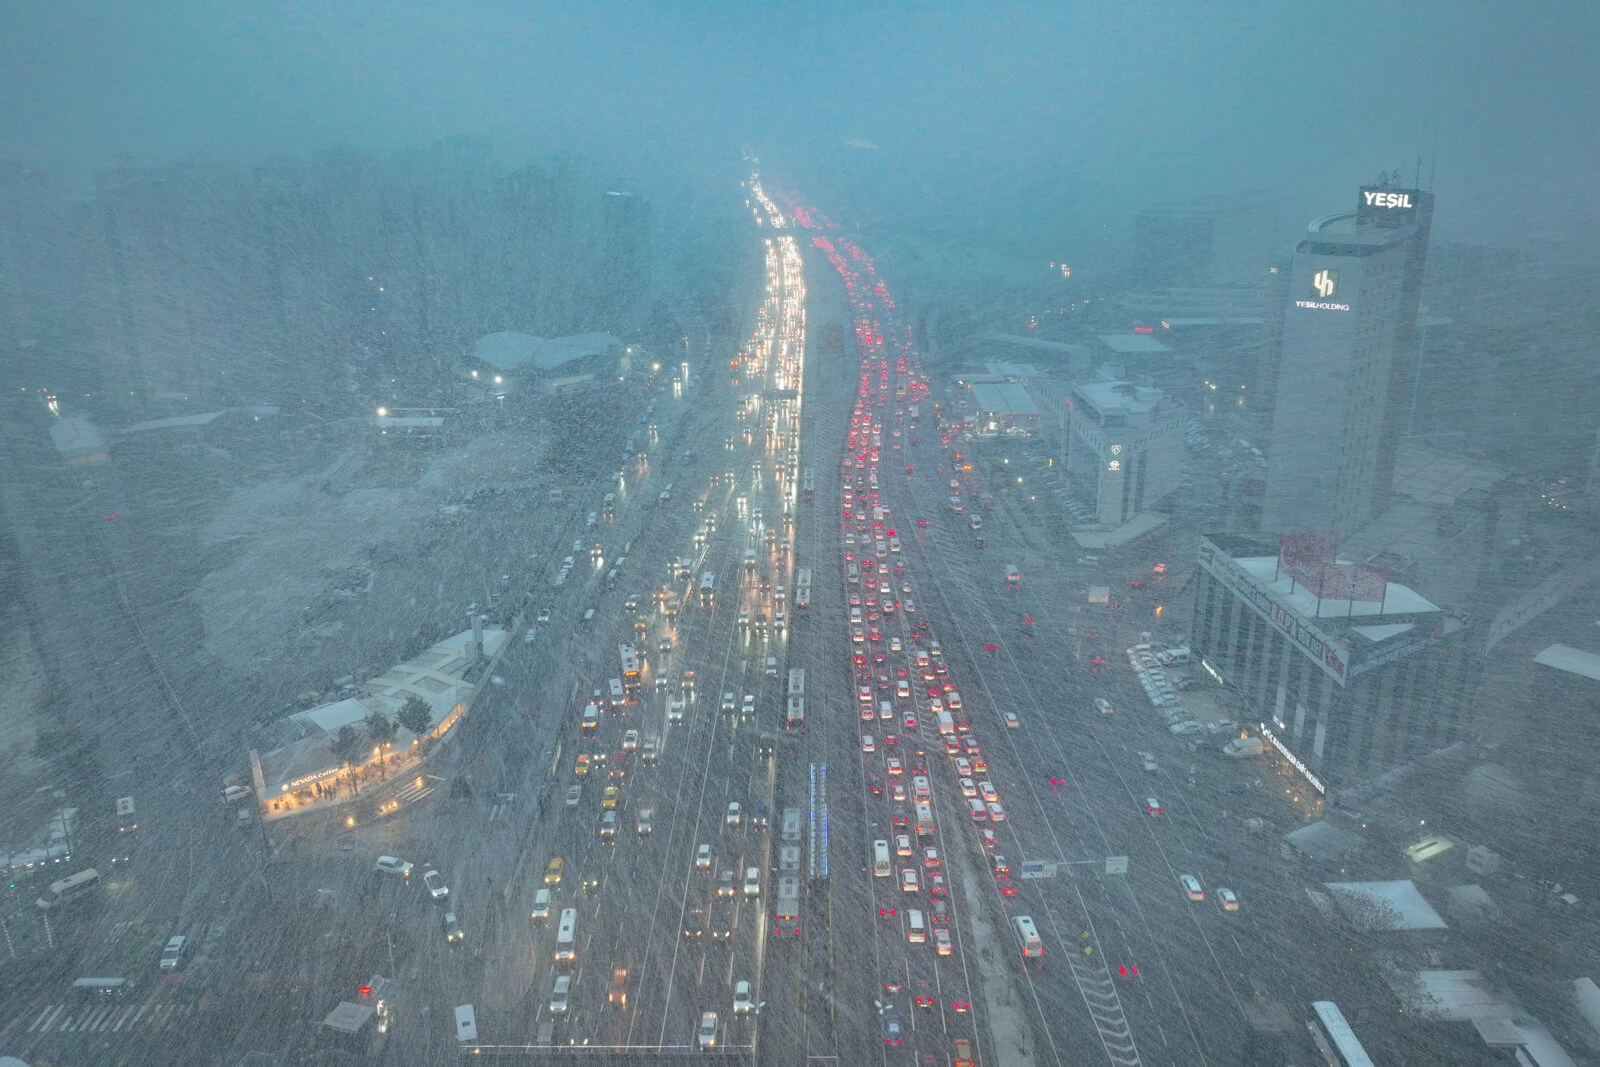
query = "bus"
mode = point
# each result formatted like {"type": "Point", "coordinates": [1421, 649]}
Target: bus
{"type": "Point", "coordinates": [630, 667]}
{"type": "Point", "coordinates": [881, 865]}
{"type": "Point", "coordinates": [947, 724]}
{"type": "Point", "coordinates": [708, 589]}
{"type": "Point", "coordinates": [566, 935]}
{"type": "Point", "coordinates": [924, 812]}
{"type": "Point", "coordinates": [797, 682]}
{"type": "Point", "coordinates": [808, 481]}
{"type": "Point", "coordinates": [1334, 1038]}
{"type": "Point", "coordinates": [66, 890]}
{"type": "Point", "coordinates": [786, 914]}
{"type": "Point", "coordinates": [802, 590]}
{"type": "Point", "coordinates": [794, 716]}
{"type": "Point", "coordinates": [1027, 937]}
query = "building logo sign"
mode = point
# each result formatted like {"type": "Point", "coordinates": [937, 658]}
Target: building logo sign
{"type": "Point", "coordinates": [1378, 198]}
{"type": "Point", "coordinates": [1324, 287]}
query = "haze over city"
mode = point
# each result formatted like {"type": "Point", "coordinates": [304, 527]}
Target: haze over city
{"type": "Point", "coordinates": [942, 533]}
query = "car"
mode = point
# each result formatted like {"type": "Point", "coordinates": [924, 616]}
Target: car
{"type": "Point", "coordinates": [733, 817]}
{"type": "Point", "coordinates": [895, 644]}
{"type": "Point", "coordinates": [172, 954]}
{"type": "Point", "coordinates": [1192, 887]}
{"type": "Point", "coordinates": [941, 942]}
{"type": "Point", "coordinates": [742, 1002]}
{"type": "Point", "coordinates": [392, 865]}
{"type": "Point", "coordinates": [961, 1005]}
{"type": "Point", "coordinates": [897, 788]}
{"type": "Point", "coordinates": [1152, 806]}
{"type": "Point", "coordinates": [963, 1053]}
{"type": "Point", "coordinates": [1230, 902]}
{"type": "Point", "coordinates": [580, 766]}
{"type": "Point", "coordinates": [553, 871]}
{"type": "Point", "coordinates": [867, 743]}
{"type": "Point", "coordinates": [891, 739]}
{"type": "Point", "coordinates": [1148, 762]}
{"type": "Point", "coordinates": [645, 820]}
{"type": "Point", "coordinates": [664, 645]}
{"type": "Point", "coordinates": [574, 794]}
{"type": "Point", "coordinates": [1104, 706]}
{"type": "Point", "coordinates": [752, 881]}
{"type": "Point", "coordinates": [610, 798]}
{"type": "Point", "coordinates": [630, 740]}
{"type": "Point", "coordinates": [939, 913]}
{"type": "Point", "coordinates": [998, 864]}
{"type": "Point", "coordinates": [433, 881]}
{"type": "Point", "coordinates": [899, 817]}
{"type": "Point", "coordinates": [748, 707]}
{"type": "Point", "coordinates": [909, 882]}
{"type": "Point", "coordinates": [893, 1028]}
{"type": "Point", "coordinates": [874, 783]}
{"type": "Point", "coordinates": [894, 766]}
{"type": "Point", "coordinates": [617, 993]}
{"type": "Point", "coordinates": [559, 994]}
{"type": "Point", "coordinates": [936, 887]}
{"type": "Point", "coordinates": [702, 858]}
{"type": "Point", "coordinates": [902, 690]}
{"type": "Point", "coordinates": [453, 934]}
{"type": "Point", "coordinates": [909, 721]}
{"type": "Point", "coordinates": [924, 1001]}
{"type": "Point", "coordinates": [725, 884]}
{"type": "Point", "coordinates": [968, 788]}
{"type": "Point", "coordinates": [545, 614]}
{"type": "Point", "coordinates": [706, 1036]}
{"type": "Point", "coordinates": [1011, 720]}
{"type": "Point", "coordinates": [930, 858]}
{"type": "Point", "coordinates": [988, 793]}
{"type": "Point", "coordinates": [971, 746]}
{"type": "Point", "coordinates": [893, 982]}
{"type": "Point", "coordinates": [963, 766]}
{"type": "Point", "coordinates": [608, 825]}
{"type": "Point", "coordinates": [980, 765]}
{"type": "Point", "coordinates": [1008, 888]}
{"type": "Point", "coordinates": [728, 702]}
{"type": "Point", "coordinates": [987, 838]}
{"type": "Point", "coordinates": [909, 604]}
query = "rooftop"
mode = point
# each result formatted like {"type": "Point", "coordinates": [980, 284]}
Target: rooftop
{"type": "Point", "coordinates": [1118, 397]}
{"type": "Point", "coordinates": [1397, 599]}
{"type": "Point", "coordinates": [1003, 398]}
{"type": "Point", "coordinates": [511, 351]}
{"type": "Point", "coordinates": [1571, 660]}
{"type": "Point", "coordinates": [1132, 343]}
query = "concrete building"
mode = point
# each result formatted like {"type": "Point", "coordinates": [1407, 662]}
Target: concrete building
{"type": "Point", "coordinates": [1124, 447]}
{"type": "Point", "coordinates": [1345, 362]}
{"type": "Point", "coordinates": [1346, 673]}
{"type": "Point", "coordinates": [1004, 407]}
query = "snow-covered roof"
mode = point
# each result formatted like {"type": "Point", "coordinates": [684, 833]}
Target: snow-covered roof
{"type": "Point", "coordinates": [182, 421]}
{"type": "Point", "coordinates": [1004, 398]}
{"type": "Point", "coordinates": [1385, 905]}
{"type": "Point", "coordinates": [1572, 660]}
{"type": "Point", "coordinates": [1132, 343]}
{"type": "Point", "coordinates": [510, 351]}
{"type": "Point", "coordinates": [1397, 599]}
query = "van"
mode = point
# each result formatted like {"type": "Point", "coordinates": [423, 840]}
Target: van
{"type": "Point", "coordinates": [675, 709]}
{"type": "Point", "coordinates": [881, 864]}
{"type": "Point", "coordinates": [466, 1023]}
{"type": "Point", "coordinates": [772, 666]}
{"type": "Point", "coordinates": [791, 824]}
{"type": "Point", "coordinates": [618, 696]}
{"type": "Point", "coordinates": [541, 905]}
{"type": "Point", "coordinates": [566, 934]}
{"type": "Point", "coordinates": [916, 929]}
{"type": "Point", "coordinates": [885, 710]}
{"type": "Point", "coordinates": [979, 812]}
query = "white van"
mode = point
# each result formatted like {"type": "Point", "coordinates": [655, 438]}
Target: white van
{"type": "Point", "coordinates": [541, 905]}
{"type": "Point", "coordinates": [886, 710]}
{"type": "Point", "coordinates": [882, 867]}
{"type": "Point", "coordinates": [566, 936]}
{"type": "Point", "coordinates": [916, 930]}
{"type": "Point", "coordinates": [979, 812]}
{"type": "Point", "coordinates": [618, 697]}
{"type": "Point", "coordinates": [466, 1023]}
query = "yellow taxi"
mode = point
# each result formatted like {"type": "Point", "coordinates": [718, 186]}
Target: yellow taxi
{"type": "Point", "coordinates": [552, 871]}
{"type": "Point", "coordinates": [608, 799]}
{"type": "Point", "coordinates": [581, 767]}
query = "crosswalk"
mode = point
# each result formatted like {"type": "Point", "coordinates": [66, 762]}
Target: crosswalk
{"type": "Point", "coordinates": [412, 793]}
{"type": "Point", "coordinates": [78, 1018]}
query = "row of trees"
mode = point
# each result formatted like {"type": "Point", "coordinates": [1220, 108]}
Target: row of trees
{"type": "Point", "coordinates": [378, 731]}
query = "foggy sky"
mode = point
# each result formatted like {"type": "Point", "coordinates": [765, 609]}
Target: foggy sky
{"type": "Point", "coordinates": [1112, 104]}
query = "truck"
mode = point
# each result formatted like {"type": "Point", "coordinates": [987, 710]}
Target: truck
{"type": "Point", "coordinates": [1243, 746]}
{"type": "Point", "coordinates": [1173, 657]}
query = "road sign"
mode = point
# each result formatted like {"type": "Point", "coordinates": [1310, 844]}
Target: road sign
{"type": "Point", "coordinates": [1116, 865]}
{"type": "Point", "coordinates": [1037, 869]}
{"type": "Point", "coordinates": [124, 805]}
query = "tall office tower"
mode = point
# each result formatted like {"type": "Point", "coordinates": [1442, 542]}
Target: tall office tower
{"type": "Point", "coordinates": [1345, 362]}
{"type": "Point", "coordinates": [625, 264]}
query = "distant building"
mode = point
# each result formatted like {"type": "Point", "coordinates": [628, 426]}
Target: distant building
{"type": "Point", "coordinates": [1004, 407]}
{"type": "Point", "coordinates": [79, 442]}
{"type": "Point", "coordinates": [1124, 447]}
{"type": "Point", "coordinates": [503, 362]}
{"type": "Point", "coordinates": [1223, 240]}
{"type": "Point", "coordinates": [1347, 674]}
{"type": "Point", "coordinates": [1345, 362]}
